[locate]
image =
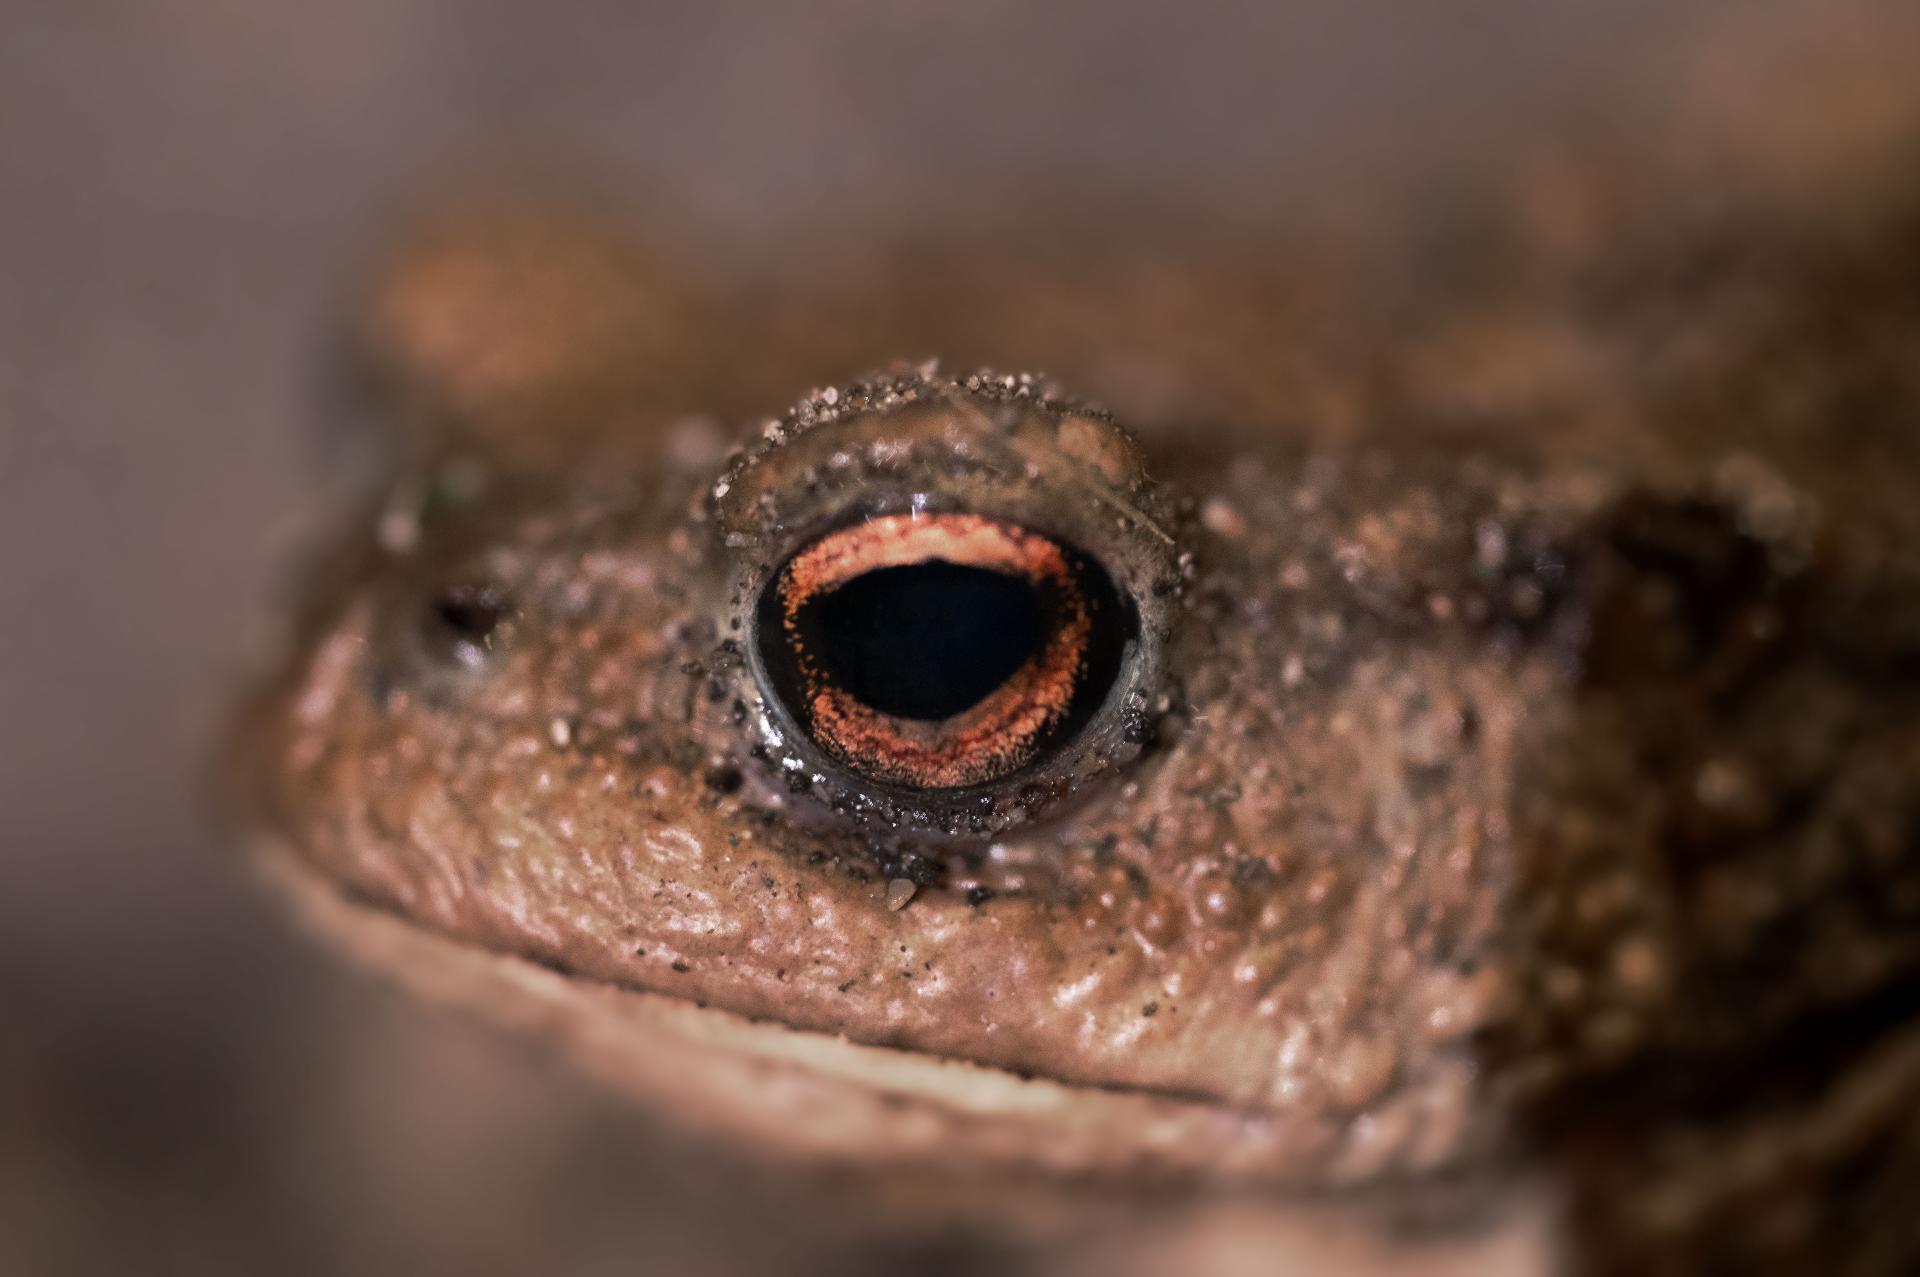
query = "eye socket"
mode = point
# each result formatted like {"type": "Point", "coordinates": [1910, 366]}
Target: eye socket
{"type": "Point", "coordinates": [941, 651]}
{"type": "Point", "coordinates": [945, 603]}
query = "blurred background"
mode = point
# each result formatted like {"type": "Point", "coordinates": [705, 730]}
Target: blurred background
{"type": "Point", "coordinates": [187, 190]}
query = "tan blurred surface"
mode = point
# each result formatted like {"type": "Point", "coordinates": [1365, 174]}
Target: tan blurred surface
{"type": "Point", "coordinates": [185, 192]}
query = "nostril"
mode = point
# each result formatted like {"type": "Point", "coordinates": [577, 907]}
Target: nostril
{"type": "Point", "coordinates": [462, 623]}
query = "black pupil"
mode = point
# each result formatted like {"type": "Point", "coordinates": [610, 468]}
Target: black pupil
{"type": "Point", "coordinates": [926, 640]}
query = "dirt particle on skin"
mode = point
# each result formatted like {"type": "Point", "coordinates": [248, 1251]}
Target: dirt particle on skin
{"type": "Point", "coordinates": [899, 892]}
{"type": "Point", "coordinates": [1361, 1069]}
{"type": "Point", "coordinates": [1152, 1008]}
{"type": "Point", "coordinates": [682, 967]}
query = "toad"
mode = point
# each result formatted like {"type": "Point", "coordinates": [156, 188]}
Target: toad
{"type": "Point", "coordinates": [1416, 750]}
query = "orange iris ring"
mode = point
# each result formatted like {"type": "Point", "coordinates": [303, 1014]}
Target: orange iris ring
{"type": "Point", "coordinates": [985, 741]}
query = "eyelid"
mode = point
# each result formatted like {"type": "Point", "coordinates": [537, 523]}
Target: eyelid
{"type": "Point", "coordinates": [923, 435]}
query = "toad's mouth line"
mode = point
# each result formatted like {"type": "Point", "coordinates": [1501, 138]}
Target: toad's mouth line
{"type": "Point", "coordinates": [806, 1093]}
{"type": "Point", "coordinates": [282, 862]}
{"type": "Point", "coordinates": [1027, 1157]}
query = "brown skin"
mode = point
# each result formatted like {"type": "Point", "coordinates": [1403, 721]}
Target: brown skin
{"type": "Point", "coordinates": [1524, 825]}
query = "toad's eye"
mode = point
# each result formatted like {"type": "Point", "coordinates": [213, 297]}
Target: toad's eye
{"type": "Point", "coordinates": [953, 598]}
{"type": "Point", "coordinates": [938, 651]}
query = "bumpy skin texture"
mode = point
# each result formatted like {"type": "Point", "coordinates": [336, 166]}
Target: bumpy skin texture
{"type": "Point", "coordinates": [1530, 795]}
